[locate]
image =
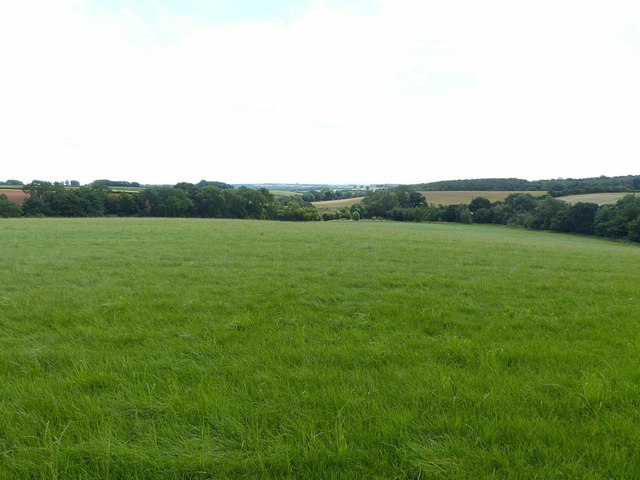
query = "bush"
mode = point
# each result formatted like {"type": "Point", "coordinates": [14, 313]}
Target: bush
{"type": "Point", "coordinates": [9, 208]}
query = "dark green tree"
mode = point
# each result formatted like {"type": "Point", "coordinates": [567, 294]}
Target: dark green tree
{"type": "Point", "coordinates": [8, 208]}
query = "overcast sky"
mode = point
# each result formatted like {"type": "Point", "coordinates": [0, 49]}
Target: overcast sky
{"type": "Point", "coordinates": [312, 91]}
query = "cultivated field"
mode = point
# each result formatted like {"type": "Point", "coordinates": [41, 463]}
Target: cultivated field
{"type": "Point", "coordinates": [196, 349]}
{"type": "Point", "coordinates": [599, 198]}
{"type": "Point", "coordinates": [332, 205]}
{"type": "Point", "coordinates": [433, 197]}
{"type": "Point", "coordinates": [456, 197]}
{"type": "Point", "coordinates": [14, 194]}
{"type": "Point", "coordinates": [284, 193]}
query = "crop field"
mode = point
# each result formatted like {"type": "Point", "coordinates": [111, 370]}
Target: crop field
{"type": "Point", "coordinates": [598, 198]}
{"type": "Point", "coordinates": [14, 194]}
{"type": "Point", "coordinates": [332, 205]}
{"type": "Point", "coordinates": [201, 349]}
{"type": "Point", "coordinates": [452, 197]}
{"type": "Point", "coordinates": [459, 196]}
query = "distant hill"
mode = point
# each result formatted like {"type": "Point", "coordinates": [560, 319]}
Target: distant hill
{"type": "Point", "coordinates": [557, 187]}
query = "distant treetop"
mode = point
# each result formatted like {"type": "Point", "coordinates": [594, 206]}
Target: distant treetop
{"type": "Point", "coordinates": [221, 185]}
{"type": "Point", "coordinates": [557, 187]}
{"type": "Point", "coordinates": [115, 183]}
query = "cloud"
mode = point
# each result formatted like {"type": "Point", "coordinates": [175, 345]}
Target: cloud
{"type": "Point", "coordinates": [407, 91]}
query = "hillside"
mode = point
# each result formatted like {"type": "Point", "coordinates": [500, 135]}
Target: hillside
{"type": "Point", "coordinates": [559, 186]}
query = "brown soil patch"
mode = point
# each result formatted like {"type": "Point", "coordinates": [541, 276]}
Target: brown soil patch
{"type": "Point", "coordinates": [14, 194]}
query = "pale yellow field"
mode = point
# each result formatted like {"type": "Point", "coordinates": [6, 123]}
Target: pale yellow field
{"type": "Point", "coordinates": [433, 197]}
{"type": "Point", "coordinates": [455, 197]}
{"type": "Point", "coordinates": [599, 198]}
{"type": "Point", "coordinates": [331, 205]}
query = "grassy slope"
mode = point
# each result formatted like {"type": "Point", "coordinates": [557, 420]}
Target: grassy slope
{"type": "Point", "coordinates": [195, 349]}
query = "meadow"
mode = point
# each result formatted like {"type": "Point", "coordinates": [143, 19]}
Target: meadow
{"type": "Point", "coordinates": [196, 349]}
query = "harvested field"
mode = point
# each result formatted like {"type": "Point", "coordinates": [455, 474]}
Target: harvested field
{"type": "Point", "coordinates": [599, 198]}
{"type": "Point", "coordinates": [331, 205]}
{"type": "Point", "coordinates": [455, 197]}
{"type": "Point", "coordinates": [452, 197]}
{"type": "Point", "coordinates": [14, 194]}
{"type": "Point", "coordinates": [284, 193]}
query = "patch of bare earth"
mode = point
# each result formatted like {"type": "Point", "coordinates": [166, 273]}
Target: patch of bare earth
{"type": "Point", "coordinates": [13, 194]}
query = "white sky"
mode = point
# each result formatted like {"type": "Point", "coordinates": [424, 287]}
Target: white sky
{"type": "Point", "coordinates": [337, 91]}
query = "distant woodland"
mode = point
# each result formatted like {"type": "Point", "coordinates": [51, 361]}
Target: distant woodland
{"type": "Point", "coordinates": [556, 187]}
{"type": "Point", "coordinates": [402, 203]}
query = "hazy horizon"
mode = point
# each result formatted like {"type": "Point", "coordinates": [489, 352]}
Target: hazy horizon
{"type": "Point", "coordinates": [318, 91]}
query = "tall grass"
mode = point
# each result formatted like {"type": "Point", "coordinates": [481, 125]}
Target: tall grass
{"type": "Point", "coordinates": [194, 349]}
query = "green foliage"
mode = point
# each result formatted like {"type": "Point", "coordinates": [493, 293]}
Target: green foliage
{"type": "Point", "coordinates": [541, 213]}
{"type": "Point", "coordinates": [294, 211]}
{"type": "Point", "coordinates": [181, 200]}
{"type": "Point", "coordinates": [614, 220]}
{"type": "Point", "coordinates": [8, 208]}
{"type": "Point", "coordinates": [114, 183]}
{"type": "Point", "coordinates": [560, 186]}
{"type": "Point", "coordinates": [399, 203]}
{"type": "Point", "coordinates": [479, 203]}
{"type": "Point", "coordinates": [325, 194]}
{"type": "Point", "coordinates": [196, 349]}
{"type": "Point", "coordinates": [378, 202]}
{"type": "Point", "coordinates": [220, 185]}
{"type": "Point", "coordinates": [13, 182]}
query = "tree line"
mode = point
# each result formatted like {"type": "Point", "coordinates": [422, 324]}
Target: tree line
{"type": "Point", "coordinates": [46, 199]}
{"type": "Point", "coordinates": [325, 194]}
{"type": "Point", "coordinates": [555, 187]}
{"type": "Point", "coordinates": [617, 221]}
{"type": "Point", "coordinates": [403, 203]}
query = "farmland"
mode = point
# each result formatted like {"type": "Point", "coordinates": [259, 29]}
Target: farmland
{"type": "Point", "coordinates": [597, 198]}
{"type": "Point", "coordinates": [185, 348]}
{"type": "Point", "coordinates": [458, 196]}
{"type": "Point", "coordinates": [433, 197]}
{"type": "Point", "coordinates": [14, 194]}
{"type": "Point", "coordinates": [329, 205]}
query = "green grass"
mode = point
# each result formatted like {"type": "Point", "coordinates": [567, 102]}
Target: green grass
{"type": "Point", "coordinates": [194, 349]}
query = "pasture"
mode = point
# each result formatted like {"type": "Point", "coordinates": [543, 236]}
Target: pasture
{"type": "Point", "coordinates": [197, 349]}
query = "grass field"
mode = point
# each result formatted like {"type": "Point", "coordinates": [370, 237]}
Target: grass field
{"type": "Point", "coordinates": [195, 349]}
{"type": "Point", "coordinates": [433, 197]}
{"type": "Point", "coordinates": [599, 198]}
